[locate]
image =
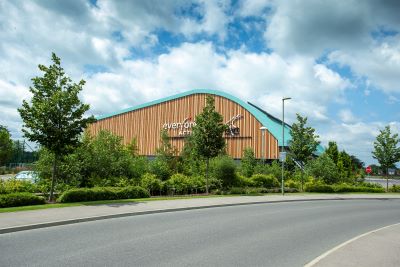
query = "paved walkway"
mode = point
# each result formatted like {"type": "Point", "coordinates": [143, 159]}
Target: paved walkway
{"type": "Point", "coordinates": [376, 248]}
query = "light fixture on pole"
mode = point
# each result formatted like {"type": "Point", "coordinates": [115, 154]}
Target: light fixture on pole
{"type": "Point", "coordinates": [263, 129]}
{"type": "Point", "coordinates": [283, 157]}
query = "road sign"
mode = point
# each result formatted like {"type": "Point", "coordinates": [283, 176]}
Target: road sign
{"type": "Point", "coordinates": [391, 171]}
{"type": "Point", "coordinates": [368, 169]}
{"type": "Point", "coordinates": [282, 156]}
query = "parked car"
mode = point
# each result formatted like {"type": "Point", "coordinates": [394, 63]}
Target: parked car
{"type": "Point", "coordinates": [30, 176]}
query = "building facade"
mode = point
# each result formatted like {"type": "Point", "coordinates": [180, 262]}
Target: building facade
{"type": "Point", "coordinates": [248, 125]}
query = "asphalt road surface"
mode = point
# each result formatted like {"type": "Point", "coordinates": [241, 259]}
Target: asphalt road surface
{"type": "Point", "coordinates": [279, 234]}
{"type": "Point", "coordinates": [382, 181]}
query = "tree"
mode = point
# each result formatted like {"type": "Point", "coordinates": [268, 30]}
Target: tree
{"type": "Point", "coordinates": [323, 168]}
{"type": "Point", "coordinates": [248, 162]}
{"type": "Point", "coordinates": [54, 116]}
{"type": "Point", "coordinates": [207, 136]}
{"type": "Point", "coordinates": [386, 150]}
{"type": "Point", "coordinates": [304, 140]}
{"type": "Point", "coordinates": [6, 145]}
{"type": "Point", "coordinates": [332, 151]}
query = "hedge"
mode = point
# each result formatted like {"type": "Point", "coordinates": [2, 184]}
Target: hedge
{"type": "Point", "coordinates": [20, 199]}
{"type": "Point", "coordinates": [103, 193]}
{"type": "Point", "coordinates": [342, 188]}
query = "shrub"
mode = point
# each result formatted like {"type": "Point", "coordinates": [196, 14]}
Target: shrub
{"type": "Point", "coordinates": [14, 186]}
{"type": "Point", "coordinates": [395, 189]}
{"type": "Point", "coordinates": [151, 183]}
{"type": "Point", "coordinates": [319, 188]}
{"type": "Point", "coordinates": [323, 168]}
{"type": "Point", "coordinates": [103, 193]}
{"type": "Point", "coordinates": [248, 162]}
{"type": "Point", "coordinates": [273, 169]}
{"type": "Point", "coordinates": [266, 181]}
{"type": "Point", "coordinates": [342, 188]}
{"type": "Point", "coordinates": [160, 169]}
{"type": "Point", "coordinates": [293, 184]}
{"type": "Point", "coordinates": [197, 184]}
{"type": "Point", "coordinates": [243, 181]}
{"type": "Point", "coordinates": [20, 199]}
{"type": "Point", "coordinates": [179, 183]}
{"type": "Point", "coordinates": [223, 168]}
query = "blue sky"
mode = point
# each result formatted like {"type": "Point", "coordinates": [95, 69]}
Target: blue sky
{"type": "Point", "coordinates": [338, 60]}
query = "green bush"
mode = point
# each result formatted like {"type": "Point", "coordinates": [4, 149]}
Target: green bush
{"type": "Point", "coordinates": [319, 188]}
{"type": "Point", "coordinates": [15, 186]}
{"type": "Point", "coordinates": [293, 184]}
{"type": "Point", "coordinates": [395, 189]}
{"type": "Point", "coordinates": [273, 169]}
{"type": "Point", "coordinates": [103, 193]}
{"type": "Point", "coordinates": [160, 168]}
{"type": "Point", "coordinates": [178, 183]}
{"type": "Point", "coordinates": [223, 168]}
{"type": "Point", "coordinates": [243, 181]}
{"type": "Point", "coordinates": [266, 181]}
{"type": "Point", "coordinates": [323, 168]}
{"type": "Point", "coordinates": [20, 199]}
{"type": "Point", "coordinates": [343, 188]}
{"type": "Point", "coordinates": [151, 183]}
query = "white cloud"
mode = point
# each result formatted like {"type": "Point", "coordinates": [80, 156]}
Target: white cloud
{"type": "Point", "coordinates": [347, 116]}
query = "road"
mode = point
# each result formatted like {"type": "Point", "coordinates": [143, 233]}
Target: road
{"type": "Point", "coordinates": [382, 181]}
{"type": "Point", "coordinates": [274, 234]}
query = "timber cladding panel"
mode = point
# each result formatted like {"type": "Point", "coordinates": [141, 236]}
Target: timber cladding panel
{"type": "Point", "coordinates": [177, 117]}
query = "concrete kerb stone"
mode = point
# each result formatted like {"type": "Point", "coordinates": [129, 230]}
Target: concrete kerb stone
{"type": "Point", "coordinates": [137, 213]}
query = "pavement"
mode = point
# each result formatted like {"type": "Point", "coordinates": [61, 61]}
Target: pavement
{"type": "Point", "coordinates": [356, 252]}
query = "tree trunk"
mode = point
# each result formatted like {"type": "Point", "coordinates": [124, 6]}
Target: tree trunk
{"type": "Point", "coordinates": [207, 163]}
{"type": "Point", "coordinates": [53, 179]}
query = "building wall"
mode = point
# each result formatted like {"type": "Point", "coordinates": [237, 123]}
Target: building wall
{"type": "Point", "coordinates": [146, 124]}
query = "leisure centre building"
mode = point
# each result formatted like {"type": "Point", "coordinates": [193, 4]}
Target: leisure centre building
{"type": "Point", "coordinates": [249, 125]}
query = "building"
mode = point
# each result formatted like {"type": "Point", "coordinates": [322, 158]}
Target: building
{"type": "Point", "coordinates": [177, 113]}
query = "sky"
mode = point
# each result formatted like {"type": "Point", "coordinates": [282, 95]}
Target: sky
{"type": "Point", "coordinates": [339, 61]}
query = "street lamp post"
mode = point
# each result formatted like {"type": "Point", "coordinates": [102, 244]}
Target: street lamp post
{"type": "Point", "coordinates": [283, 143]}
{"type": "Point", "coordinates": [263, 128]}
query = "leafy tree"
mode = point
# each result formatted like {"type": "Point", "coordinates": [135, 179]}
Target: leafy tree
{"type": "Point", "coordinates": [304, 140]}
{"type": "Point", "coordinates": [332, 151]}
{"type": "Point", "coordinates": [248, 162]}
{"type": "Point", "coordinates": [54, 118]}
{"type": "Point", "coordinates": [6, 145]}
{"type": "Point", "coordinates": [167, 153]}
{"type": "Point", "coordinates": [208, 139]}
{"type": "Point", "coordinates": [151, 183]}
{"type": "Point", "coordinates": [386, 150]}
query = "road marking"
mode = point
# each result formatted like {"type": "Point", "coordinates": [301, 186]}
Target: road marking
{"type": "Point", "coordinates": [317, 259]}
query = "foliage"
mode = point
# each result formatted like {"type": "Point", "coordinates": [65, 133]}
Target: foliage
{"type": "Point", "coordinates": [266, 181]}
{"type": "Point", "coordinates": [151, 183]}
{"type": "Point", "coordinates": [207, 136]}
{"type": "Point", "coordinates": [243, 181]}
{"type": "Point", "coordinates": [274, 169]}
{"type": "Point", "coordinates": [248, 162]}
{"type": "Point", "coordinates": [103, 193]}
{"type": "Point", "coordinates": [304, 140]}
{"type": "Point", "coordinates": [293, 183]}
{"type": "Point", "coordinates": [332, 151]}
{"type": "Point", "coordinates": [20, 199]}
{"type": "Point", "coordinates": [14, 186]}
{"type": "Point", "coordinates": [386, 149]}
{"type": "Point", "coordinates": [160, 168]}
{"type": "Point", "coordinates": [54, 118]}
{"type": "Point", "coordinates": [323, 168]}
{"type": "Point", "coordinates": [178, 183]}
{"type": "Point", "coordinates": [167, 153]}
{"type": "Point", "coordinates": [320, 187]}
{"type": "Point", "coordinates": [191, 163]}
{"type": "Point", "coordinates": [395, 188]}
{"type": "Point", "coordinates": [223, 168]}
{"type": "Point", "coordinates": [133, 148]}
{"type": "Point", "coordinates": [6, 145]}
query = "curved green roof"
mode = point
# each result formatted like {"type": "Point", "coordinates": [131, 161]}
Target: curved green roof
{"type": "Point", "coordinates": [274, 126]}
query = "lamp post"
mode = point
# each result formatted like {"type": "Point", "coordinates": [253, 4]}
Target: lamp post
{"type": "Point", "coordinates": [283, 143]}
{"type": "Point", "coordinates": [263, 128]}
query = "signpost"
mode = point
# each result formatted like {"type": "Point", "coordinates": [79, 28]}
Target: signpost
{"type": "Point", "coordinates": [368, 169]}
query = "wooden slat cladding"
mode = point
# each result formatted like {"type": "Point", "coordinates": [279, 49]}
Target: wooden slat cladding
{"type": "Point", "coordinates": [146, 123]}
